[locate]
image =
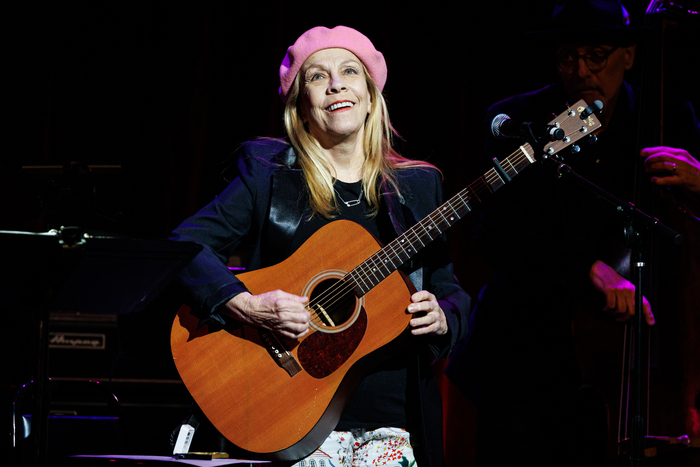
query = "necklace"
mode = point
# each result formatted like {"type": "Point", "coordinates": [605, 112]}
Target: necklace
{"type": "Point", "coordinates": [353, 202]}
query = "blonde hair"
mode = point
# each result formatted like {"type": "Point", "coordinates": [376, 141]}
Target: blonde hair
{"type": "Point", "coordinates": [381, 159]}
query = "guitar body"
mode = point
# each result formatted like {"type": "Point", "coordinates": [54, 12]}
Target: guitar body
{"type": "Point", "coordinates": [233, 373]}
{"type": "Point", "coordinates": [280, 400]}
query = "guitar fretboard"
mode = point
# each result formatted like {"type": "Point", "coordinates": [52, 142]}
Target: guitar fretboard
{"type": "Point", "coordinates": [387, 260]}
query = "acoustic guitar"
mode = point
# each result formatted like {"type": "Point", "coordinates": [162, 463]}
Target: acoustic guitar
{"type": "Point", "coordinates": [279, 398]}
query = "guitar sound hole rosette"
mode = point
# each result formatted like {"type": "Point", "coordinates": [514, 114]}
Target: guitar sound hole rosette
{"type": "Point", "coordinates": [333, 305]}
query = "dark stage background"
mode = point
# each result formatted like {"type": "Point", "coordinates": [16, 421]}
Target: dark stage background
{"type": "Point", "coordinates": [154, 96]}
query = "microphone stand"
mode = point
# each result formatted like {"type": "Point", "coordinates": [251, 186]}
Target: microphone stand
{"type": "Point", "coordinates": [637, 225]}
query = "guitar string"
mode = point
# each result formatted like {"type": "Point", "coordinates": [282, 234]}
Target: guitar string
{"type": "Point", "coordinates": [373, 268]}
{"type": "Point", "coordinates": [343, 287]}
{"type": "Point", "coordinates": [371, 264]}
{"type": "Point", "coordinates": [481, 186]}
{"type": "Point", "coordinates": [374, 264]}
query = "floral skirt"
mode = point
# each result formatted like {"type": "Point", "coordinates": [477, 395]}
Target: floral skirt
{"type": "Point", "coordinates": [390, 447]}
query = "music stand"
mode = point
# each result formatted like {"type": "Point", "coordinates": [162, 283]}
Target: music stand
{"type": "Point", "coordinates": [76, 272]}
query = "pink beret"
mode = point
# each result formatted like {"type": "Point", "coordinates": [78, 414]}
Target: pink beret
{"type": "Point", "coordinates": [320, 38]}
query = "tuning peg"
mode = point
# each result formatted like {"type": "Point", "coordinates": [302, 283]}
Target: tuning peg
{"type": "Point", "coordinates": [596, 108]}
{"type": "Point", "coordinates": [592, 139]}
{"type": "Point", "coordinates": [575, 149]}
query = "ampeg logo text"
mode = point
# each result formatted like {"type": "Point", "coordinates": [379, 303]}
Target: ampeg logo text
{"type": "Point", "coordinates": [76, 340]}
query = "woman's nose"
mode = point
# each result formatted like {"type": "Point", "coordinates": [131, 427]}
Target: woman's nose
{"type": "Point", "coordinates": [337, 84]}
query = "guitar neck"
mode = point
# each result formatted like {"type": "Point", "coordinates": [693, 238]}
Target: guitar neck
{"type": "Point", "coordinates": [387, 260]}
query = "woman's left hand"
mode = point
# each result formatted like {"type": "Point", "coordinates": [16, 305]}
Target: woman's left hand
{"type": "Point", "coordinates": [431, 319]}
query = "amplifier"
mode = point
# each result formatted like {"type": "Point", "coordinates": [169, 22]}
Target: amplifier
{"type": "Point", "coordinates": [82, 345]}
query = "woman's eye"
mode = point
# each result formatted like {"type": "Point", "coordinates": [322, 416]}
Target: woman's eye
{"type": "Point", "coordinates": [351, 71]}
{"type": "Point", "coordinates": [316, 76]}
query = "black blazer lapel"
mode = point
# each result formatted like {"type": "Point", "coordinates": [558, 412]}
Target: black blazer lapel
{"type": "Point", "coordinates": [287, 206]}
{"type": "Point", "coordinates": [395, 206]}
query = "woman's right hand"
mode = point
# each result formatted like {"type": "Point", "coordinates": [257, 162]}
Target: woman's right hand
{"type": "Point", "coordinates": [277, 311]}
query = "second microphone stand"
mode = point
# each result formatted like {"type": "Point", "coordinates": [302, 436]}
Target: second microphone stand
{"type": "Point", "coordinates": [636, 226]}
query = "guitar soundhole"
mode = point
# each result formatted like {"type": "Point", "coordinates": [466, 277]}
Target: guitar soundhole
{"type": "Point", "coordinates": [333, 303]}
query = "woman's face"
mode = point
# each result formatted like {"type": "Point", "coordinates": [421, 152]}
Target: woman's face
{"type": "Point", "coordinates": [335, 100]}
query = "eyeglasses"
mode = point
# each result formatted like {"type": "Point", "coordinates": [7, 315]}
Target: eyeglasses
{"type": "Point", "coordinates": [595, 61]}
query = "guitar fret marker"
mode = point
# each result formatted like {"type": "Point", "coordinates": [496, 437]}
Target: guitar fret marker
{"type": "Point", "coordinates": [443, 218]}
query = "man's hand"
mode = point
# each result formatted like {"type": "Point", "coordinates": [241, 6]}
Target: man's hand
{"type": "Point", "coordinates": [619, 293]}
{"type": "Point", "coordinates": [672, 167]}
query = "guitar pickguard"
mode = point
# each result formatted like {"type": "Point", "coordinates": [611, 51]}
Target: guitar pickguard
{"type": "Point", "coordinates": [322, 353]}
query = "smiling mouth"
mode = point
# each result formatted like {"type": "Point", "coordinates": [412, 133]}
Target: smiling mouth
{"type": "Point", "coordinates": [339, 105]}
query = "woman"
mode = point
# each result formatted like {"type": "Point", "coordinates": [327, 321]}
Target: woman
{"type": "Point", "coordinates": [338, 163]}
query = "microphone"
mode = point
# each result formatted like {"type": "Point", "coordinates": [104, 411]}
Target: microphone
{"type": "Point", "coordinates": [502, 127]}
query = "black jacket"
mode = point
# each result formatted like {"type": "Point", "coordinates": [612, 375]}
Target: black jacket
{"type": "Point", "coordinates": [266, 204]}
{"type": "Point", "coordinates": [541, 235]}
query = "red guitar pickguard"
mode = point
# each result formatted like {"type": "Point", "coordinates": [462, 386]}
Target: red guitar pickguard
{"type": "Point", "coordinates": [322, 353]}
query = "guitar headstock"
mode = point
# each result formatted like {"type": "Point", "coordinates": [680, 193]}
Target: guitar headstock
{"type": "Point", "coordinates": [577, 122]}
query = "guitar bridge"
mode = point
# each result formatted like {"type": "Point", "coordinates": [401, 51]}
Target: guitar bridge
{"type": "Point", "coordinates": [282, 357]}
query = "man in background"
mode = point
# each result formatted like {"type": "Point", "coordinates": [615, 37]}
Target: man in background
{"type": "Point", "coordinates": [555, 248]}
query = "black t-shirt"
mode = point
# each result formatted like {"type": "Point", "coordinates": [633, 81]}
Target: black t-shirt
{"type": "Point", "coordinates": [380, 399]}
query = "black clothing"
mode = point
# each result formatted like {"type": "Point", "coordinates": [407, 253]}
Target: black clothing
{"type": "Point", "coordinates": [542, 235]}
{"type": "Point", "coordinates": [267, 204]}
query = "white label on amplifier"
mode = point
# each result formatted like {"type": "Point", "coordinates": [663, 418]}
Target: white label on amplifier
{"type": "Point", "coordinates": [76, 340]}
